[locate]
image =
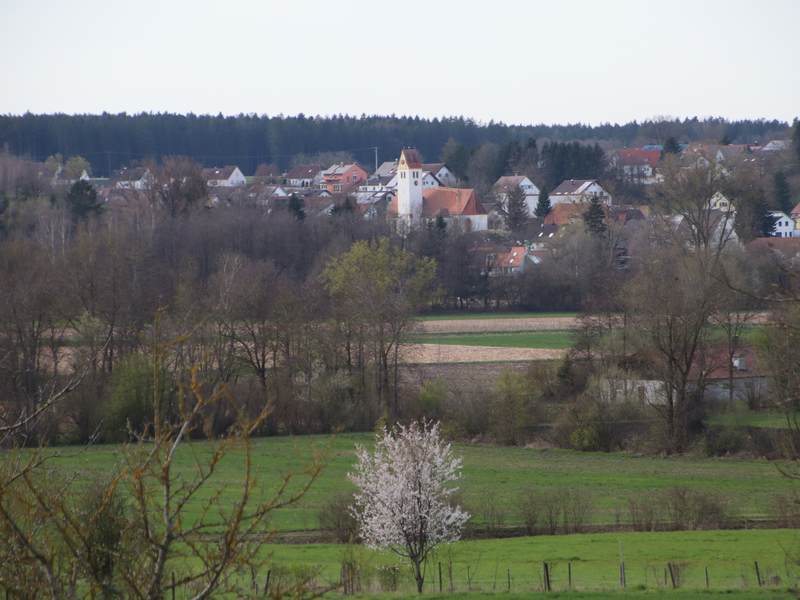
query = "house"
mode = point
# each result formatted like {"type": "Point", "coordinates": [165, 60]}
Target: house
{"type": "Point", "coordinates": [70, 176]}
{"type": "Point", "coordinates": [413, 205]}
{"type": "Point", "coordinates": [304, 176]}
{"type": "Point", "coordinates": [565, 214]}
{"type": "Point", "coordinates": [720, 202]}
{"type": "Point", "coordinates": [136, 178]}
{"type": "Point", "coordinates": [504, 185]}
{"type": "Point", "coordinates": [229, 176]}
{"type": "Point", "coordinates": [342, 178]}
{"type": "Point", "coordinates": [637, 165]}
{"type": "Point", "coordinates": [785, 226]}
{"type": "Point", "coordinates": [579, 191]}
{"type": "Point", "coordinates": [509, 262]}
{"type": "Point", "coordinates": [434, 174]}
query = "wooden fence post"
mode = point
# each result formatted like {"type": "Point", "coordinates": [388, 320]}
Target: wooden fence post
{"type": "Point", "coordinates": [671, 575]}
{"type": "Point", "coordinates": [569, 575]}
{"type": "Point", "coordinates": [440, 577]}
{"type": "Point", "coordinates": [758, 575]}
{"type": "Point", "coordinates": [706, 577]}
{"type": "Point", "coordinates": [508, 571]}
{"type": "Point", "coordinates": [266, 583]}
{"type": "Point", "coordinates": [173, 585]}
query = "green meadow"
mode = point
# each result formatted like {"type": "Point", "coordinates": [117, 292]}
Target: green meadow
{"type": "Point", "coordinates": [555, 340]}
{"type": "Point", "coordinates": [749, 486]}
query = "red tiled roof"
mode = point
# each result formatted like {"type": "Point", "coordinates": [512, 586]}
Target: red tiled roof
{"type": "Point", "coordinates": [564, 213]}
{"type": "Point", "coordinates": [447, 202]}
{"type": "Point", "coordinates": [637, 156]}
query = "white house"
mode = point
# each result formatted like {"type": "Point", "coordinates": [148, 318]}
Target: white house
{"type": "Point", "coordinates": [785, 225]}
{"type": "Point", "coordinates": [225, 177]}
{"type": "Point", "coordinates": [579, 191]}
{"type": "Point", "coordinates": [505, 184]}
{"type": "Point", "coordinates": [304, 176]}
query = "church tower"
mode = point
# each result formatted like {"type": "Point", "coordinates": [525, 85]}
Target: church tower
{"type": "Point", "coordinates": [409, 187]}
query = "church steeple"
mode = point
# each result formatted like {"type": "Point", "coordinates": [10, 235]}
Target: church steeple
{"type": "Point", "coordinates": [409, 186]}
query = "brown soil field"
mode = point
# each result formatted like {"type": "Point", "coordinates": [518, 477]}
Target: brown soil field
{"type": "Point", "coordinates": [435, 354]}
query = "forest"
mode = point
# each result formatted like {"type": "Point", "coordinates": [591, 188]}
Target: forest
{"type": "Point", "coordinates": [108, 141]}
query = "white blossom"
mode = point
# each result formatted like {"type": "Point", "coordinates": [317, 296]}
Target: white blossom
{"type": "Point", "coordinates": [403, 500]}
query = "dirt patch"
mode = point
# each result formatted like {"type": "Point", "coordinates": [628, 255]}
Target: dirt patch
{"type": "Point", "coordinates": [532, 324]}
{"type": "Point", "coordinates": [444, 353]}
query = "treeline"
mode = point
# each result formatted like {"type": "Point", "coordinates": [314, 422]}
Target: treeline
{"type": "Point", "coordinates": [108, 141]}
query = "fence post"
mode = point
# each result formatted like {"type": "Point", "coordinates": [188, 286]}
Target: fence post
{"type": "Point", "coordinates": [266, 583]}
{"type": "Point", "coordinates": [440, 576]}
{"type": "Point", "coordinates": [508, 571]}
{"type": "Point", "coordinates": [569, 575]}
{"type": "Point", "coordinates": [469, 581]}
{"type": "Point", "coordinates": [758, 575]}
{"type": "Point", "coordinates": [671, 575]}
{"type": "Point", "coordinates": [665, 577]}
{"type": "Point", "coordinates": [706, 577]}
{"type": "Point", "coordinates": [173, 584]}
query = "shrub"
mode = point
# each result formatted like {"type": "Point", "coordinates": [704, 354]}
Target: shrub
{"type": "Point", "coordinates": [577, 506]}
{"type": "Point", "coordinates": [786, 511]}
{"type": "Point", "coordinates": [647, 512]}
{"type": "Point", "coordinates": [720, 441]}
{"type": "Point", "coordinates": [528, 509]}
{"type": "Point", "coordinates": [336, 516]}
{"type": "Point", "coordinates": [492, 511]}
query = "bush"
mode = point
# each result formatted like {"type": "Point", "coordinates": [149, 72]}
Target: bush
{"type": "Point", "coordinates": [337, 517]}
{"type": "Point", "coordinates": [492, 511]}
{"type": "Point", "coordinates": [528, 509]}
{"type": "Point", "coordinates": [647, 512]}
{"type": "Point", "coordinates": [786, 511]}
{"type": "Point", "coordinates": [721, 441]}
{"type": "Point", "coordinates": [691, 510]}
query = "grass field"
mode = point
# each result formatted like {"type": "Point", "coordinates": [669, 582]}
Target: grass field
{"type": "Point", "coordinates": [560, 340]}
{"type": "Point", "coordinates": [593, 560]}
{"type": "Point", "coordinates": [749, 485]}
{"type": "Point", "coordinates": [494, 315]}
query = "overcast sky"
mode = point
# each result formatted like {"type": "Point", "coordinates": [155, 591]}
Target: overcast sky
{"type": "Point", "coordinates": [523, 62]}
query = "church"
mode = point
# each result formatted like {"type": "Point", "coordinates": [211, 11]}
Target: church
{"type": "Point", "coordinates": [413, 206]}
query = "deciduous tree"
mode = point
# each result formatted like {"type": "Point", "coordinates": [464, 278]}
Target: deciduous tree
{"type": "Point", "coordinates": [404, 494]}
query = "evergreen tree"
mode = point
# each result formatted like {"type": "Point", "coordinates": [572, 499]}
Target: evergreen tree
{"type": "Point", "coordinates": [82, 200]}
{"type": "Point", "coordinates": [296, 207]}
{"type": "Point", "coordinates": [543, 206]}
{"type": "Point", "coordinates": [752, 216]}
{"type": "Point", "coordinates": [726, 140]}
{"type": "Point", "coordinates": [516, 216]}
{"type": "Point", "coordinates": [594, 217]}
{"type": "Point", "coordinates": [796, 138]}
{"type": "Point", "coordinates": [671, 146]}
{"type": "Point", "coordinates": [783, 195]}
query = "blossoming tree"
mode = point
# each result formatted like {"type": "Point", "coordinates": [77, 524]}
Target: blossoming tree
{"type": "Point", "coordinates": [403, 495]}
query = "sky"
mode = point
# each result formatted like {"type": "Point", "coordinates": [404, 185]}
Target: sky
{"type": "Point", "coordinates": [517, 62]}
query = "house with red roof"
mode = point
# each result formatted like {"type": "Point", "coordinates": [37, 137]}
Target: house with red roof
{"type": "Point", "coordinates": [342, 178]}
{"type": "Point", "coordinates": [637, 165]}
{"type": "Point", "coordinates": [413, 205]}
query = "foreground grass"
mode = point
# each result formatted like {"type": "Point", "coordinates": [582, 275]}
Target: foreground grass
{"type": "Point", "coordinates": [749, 486]}
{"type": "Point", "coordinates": [593, 560]}
{"type": "Point", "coordinates": [560, 340]}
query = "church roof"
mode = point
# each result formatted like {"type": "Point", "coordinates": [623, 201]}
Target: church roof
{"type": "Point", "coordinates": [412, 158]}
{"type": "Point", "coordinates": [448, 202]}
